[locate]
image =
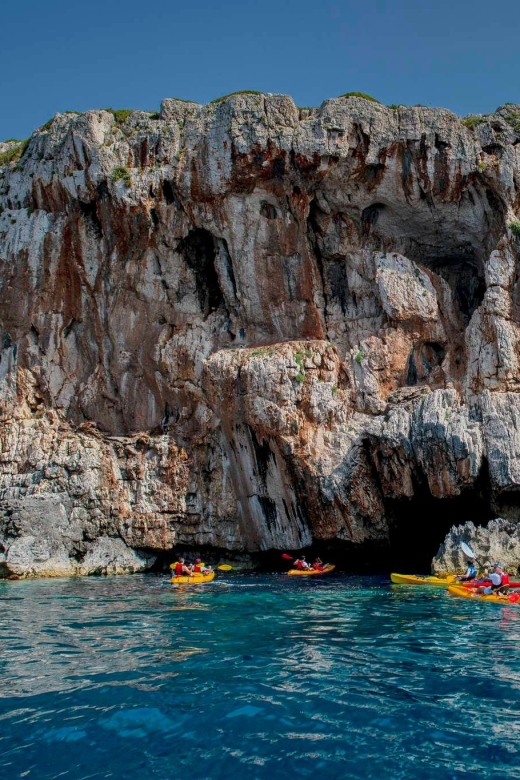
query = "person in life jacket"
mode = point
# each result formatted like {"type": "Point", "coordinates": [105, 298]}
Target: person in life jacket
{"type": "Point", "coordinates": [504, 587]}
{"type": "Point", "coordinates": [497, 577]}
{"type": "Point", "coordinates": [470, 573]}
{"type": "Point", "coordinates": [198, 566]}
{"type": "Point", "coordinates": [180, 569]}
{"type": "Point", "coordinates": [301, 563]}
{"type": "Point", "coordinates": [318, 565]}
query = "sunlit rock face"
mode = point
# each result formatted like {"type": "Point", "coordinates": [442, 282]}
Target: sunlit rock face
{"type": "Point", "coordinates": [496, 542]}
{"type": "Point", "coordinates": [251, 326]}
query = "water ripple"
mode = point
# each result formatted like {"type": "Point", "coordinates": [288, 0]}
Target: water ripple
{"type": "Point", "coordinates": [348, 676]}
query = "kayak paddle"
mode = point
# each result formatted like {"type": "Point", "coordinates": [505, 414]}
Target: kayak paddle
{"type": "Point", "coordinates": [287, 557]}
{"type": "Point", "coordinates": [466, 549]}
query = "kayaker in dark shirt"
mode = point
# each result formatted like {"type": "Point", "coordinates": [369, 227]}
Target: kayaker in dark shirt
{"type": "Point", "coordinates": [470, 574]}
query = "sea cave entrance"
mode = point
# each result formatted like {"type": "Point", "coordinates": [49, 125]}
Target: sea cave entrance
{"type": "Point", "coordinates": [418, 526]}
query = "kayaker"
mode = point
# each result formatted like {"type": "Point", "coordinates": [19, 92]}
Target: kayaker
{"type": "Point", "coordinates": [496, 577]}
{"type": "Point", "coordinates": [180, 569]}
{"type": "Point", "coordinates": [301, 563]}
{"type": "Point", "coordinates": [198, 566]}
{"type": "Point", "coordinates": [470, 574]}
{"type": "Point", "coordinates": [318, 565]}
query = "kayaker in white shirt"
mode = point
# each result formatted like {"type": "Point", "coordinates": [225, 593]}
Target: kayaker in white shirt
{"type": "Point", "coordinates": [496, 581]}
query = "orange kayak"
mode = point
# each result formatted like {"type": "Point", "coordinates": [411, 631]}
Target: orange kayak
{"type": "Point", "coordinates": [310, 572]}
{"type": "Point", "coordinates": [511, 598]}
{"type": "Point", "coordinates": [195, 579]}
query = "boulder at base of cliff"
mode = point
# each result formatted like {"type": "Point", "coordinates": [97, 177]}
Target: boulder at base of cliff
{"type": "Point", "coordinates": [498, 541]}
{"type": "Point", "coordinates": [113, 556]}
{"type": "Point", "coordinates": [38, 538]}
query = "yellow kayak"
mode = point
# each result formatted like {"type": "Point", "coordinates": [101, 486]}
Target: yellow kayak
{"type": "Point", "coordinates": [310, 572]}
{"type": "Point", "coordinates": [465, 593]}
{"type": "Point", "coordinates": [413, 579]}
{"type": "Point", "coordinates": [196, 579]}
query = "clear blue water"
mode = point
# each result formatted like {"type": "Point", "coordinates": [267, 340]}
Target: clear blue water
{"type": "Point", "coordinates": [257, 677]}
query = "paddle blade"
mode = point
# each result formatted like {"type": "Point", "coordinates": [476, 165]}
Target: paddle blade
{"type": "Point", "coordinates": [466, 549]}
{"type": "Point", "coordinates": [224, 567]}
{"type": "Point", "coordinates": [287, 557]}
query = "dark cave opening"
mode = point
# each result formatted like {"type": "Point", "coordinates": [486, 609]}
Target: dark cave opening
{"type": "Point", "coordinates": [464, 272]}
{"type": "Point", "coordinates": [418, 525]}
{"type": "Point", "coordinates": [507, 505]}
{"type": "Point", "coordinates": [424, 362]}
{"type": "Point", "coordinates": [199, 251]}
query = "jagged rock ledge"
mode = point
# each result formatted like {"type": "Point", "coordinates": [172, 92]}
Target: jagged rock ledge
{"type": "Point", "coordinates": [497, 542]}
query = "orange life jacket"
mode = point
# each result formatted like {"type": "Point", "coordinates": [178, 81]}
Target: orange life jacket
{"type": "Point", "coordinates": [505, 578]}
{"type": "Point", "coordinates": [179, 569]}
{"type": "Point", "coordinates": [299, 564]}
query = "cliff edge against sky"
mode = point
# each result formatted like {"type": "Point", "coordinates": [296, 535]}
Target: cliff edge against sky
{"type": "Point", "coordinates": [250, 326]}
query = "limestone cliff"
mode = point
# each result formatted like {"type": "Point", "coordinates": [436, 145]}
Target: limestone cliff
{"type": "Point", "coordinates": [251, 326]}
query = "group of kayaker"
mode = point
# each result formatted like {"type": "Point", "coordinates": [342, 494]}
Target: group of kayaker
{"type": "Point", "coordinates": [496, 581]}
{"type": "Point", "coordinates": [183, 569]}
{"type": "Point", "coordinates": [302, 565]}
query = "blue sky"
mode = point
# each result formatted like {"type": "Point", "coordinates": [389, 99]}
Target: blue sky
{"type": "Point", "coordinates": [64, 55]}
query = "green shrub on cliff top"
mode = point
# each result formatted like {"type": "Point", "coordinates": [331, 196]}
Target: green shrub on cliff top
{"type": "Point", "coordinates": [513, 119]}
{"type": "Point", "coordinates": [515, 228]}
{"type": "Point", "coordinates": [360, 95]}
{"type": "Point", "coordinates": [15, 153]}
{"type": "Point", "coordinates": [240, 92]}
{"type": "Point", "coordinates": [120, 114]}
{"type": "Point", "coordinates": [472, 121]}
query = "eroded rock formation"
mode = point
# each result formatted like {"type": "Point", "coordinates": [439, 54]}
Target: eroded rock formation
{"type": "Point", "coordinates": [496, 542]}
{"type": "Point", "coordinates": [251, 326]}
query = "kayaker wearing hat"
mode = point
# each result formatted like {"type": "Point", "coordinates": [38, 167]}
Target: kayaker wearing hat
{"type": "Point", "coordinates": [499, 579]}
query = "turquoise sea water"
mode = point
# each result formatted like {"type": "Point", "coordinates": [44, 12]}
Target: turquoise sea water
{"type": "Point", "coordinates": [257, 677]}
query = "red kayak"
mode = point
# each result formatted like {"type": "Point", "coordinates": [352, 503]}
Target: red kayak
{"type": "Point", "coordinates": [477, 583]}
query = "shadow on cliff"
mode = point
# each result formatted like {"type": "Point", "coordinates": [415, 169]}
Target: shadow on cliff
{"type": "Point", "coordinates": [418, 526]}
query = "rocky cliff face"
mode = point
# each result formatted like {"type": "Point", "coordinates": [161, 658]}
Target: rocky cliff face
{"type": "Point", "coordinates": [251, 326]}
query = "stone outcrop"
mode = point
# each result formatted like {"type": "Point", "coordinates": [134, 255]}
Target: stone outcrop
{"type": "Point", "coordinates": [250, 326]}
{"type": "Point", "coordinates": [496, 542]}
